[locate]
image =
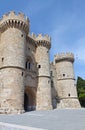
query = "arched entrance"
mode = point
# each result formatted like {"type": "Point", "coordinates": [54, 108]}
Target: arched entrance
{"type": "Point", "coordinates": [29, 99]}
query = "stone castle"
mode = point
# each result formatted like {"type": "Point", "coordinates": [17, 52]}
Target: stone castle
{"type": "Point", "coordinates": [28, 81]}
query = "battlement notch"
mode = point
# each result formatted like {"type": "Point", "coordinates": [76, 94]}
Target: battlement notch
{"type": "Point", "coordinates": [12, 19]}
{"type": "Point", "coordinates": [64, 56]}
{"type": "Point", "coordinates": [43, 40]}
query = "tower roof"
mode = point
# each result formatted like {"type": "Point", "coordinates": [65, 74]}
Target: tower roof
{"type": "Point", "coordinates": [43, 40]}
{"type": "Point", "coordinates": [64, 57]}
{"type": "Point", "coordinates": [12, 19]}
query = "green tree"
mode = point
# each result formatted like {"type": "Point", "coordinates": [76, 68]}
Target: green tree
{"type": "Point", "coordinates": [81, 90]}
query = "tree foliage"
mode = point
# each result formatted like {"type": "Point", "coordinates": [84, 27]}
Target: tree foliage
{"type": "Point", "coordinates": [81, 91]}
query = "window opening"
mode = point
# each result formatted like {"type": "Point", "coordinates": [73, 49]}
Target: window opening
{"type": "Point", "coordinates": [22, 35]}
{"type": "Point", "coordinates": [48, 81]}
{"type": "Point", "coordinates": [52, 83]}
{"type": "Point", "coordinates": [28, 65]}
{"type": "Point", "coordinates": [69, 94]}
{"type": "Point", "coordinates": [39, 66]}
{"type": "Point", "coordinates": [2, 59]}
{"type": "Point", "coordinates": [63, 75]}
{"type": "Point", "coordinates": [22, 73]}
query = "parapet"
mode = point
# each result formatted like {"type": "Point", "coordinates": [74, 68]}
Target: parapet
{"type": "Point", "coordinates": [64, 57]}
{"type": "Point", "coordinates": [12, 19]}
{"type": "Point", "coordinates": [43, 40]}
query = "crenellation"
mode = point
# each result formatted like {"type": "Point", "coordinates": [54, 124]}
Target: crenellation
{"type": "Point", "coordinates": [43, 40]}
{"type": "Point", "coordinates": [13, 15]}
{"type": "Point", "coordinates": [45, 37]}
{"type": "Point", "coordinates": [41, 37]}
{"type": "Point", "coordinates": [13, 20]}
{"type": "Point", "coordinates": [21, 15]}
{"type": "Point", "coordinates": [33, 35]}
{"type": "Point", "coordinates": [64, 56]}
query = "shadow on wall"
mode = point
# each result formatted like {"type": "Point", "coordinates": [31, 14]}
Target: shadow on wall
{"type": "Point", "coordinates": [30, 99]}
{"type": "Point", "coordinates": [54, 94]}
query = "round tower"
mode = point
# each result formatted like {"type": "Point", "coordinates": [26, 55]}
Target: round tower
{"type": "Point", "coordinates": [13, 29]}
{"type": "Point", "coordinates": [43, 97]}
{"type": "Point", "coordinates": [66, 86]}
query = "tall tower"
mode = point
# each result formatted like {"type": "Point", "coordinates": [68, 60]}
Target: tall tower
{"type": "Point", "coordinates": [13, 29]}
{"type": "Point", "coordinates": [43, 97]}
{"type": "Point", "coordinates": [66, 87]}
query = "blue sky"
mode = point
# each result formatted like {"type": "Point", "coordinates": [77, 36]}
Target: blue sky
{"type": "Point", "coordinates": [63, 20]}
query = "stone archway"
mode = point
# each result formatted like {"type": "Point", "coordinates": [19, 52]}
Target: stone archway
{"type": "Point", "coordinates": [30, 99]}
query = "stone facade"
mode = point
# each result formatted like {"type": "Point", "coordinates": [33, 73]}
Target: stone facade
{"type": "Point", "coordinates": [28, 81]}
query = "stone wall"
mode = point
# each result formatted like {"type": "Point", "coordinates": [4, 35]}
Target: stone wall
{"type": "Point", "coordinates": [54, 94]}
{"type": "Point", "coordinates": [43, 97]}
{"type": "Point", "coordinates": [11, 90]}
{"type": "Point", "coordinates": [66, 87]}
{"type": "Point", "coordinates": [31, 70]}
{"type": "Point", "coordinates": [12, 63]}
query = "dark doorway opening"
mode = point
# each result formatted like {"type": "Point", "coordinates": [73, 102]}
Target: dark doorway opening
{"type": "Point", "coordinates": [26, 102]}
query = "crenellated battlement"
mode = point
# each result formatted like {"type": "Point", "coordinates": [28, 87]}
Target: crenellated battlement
{"type": "Point", "coordinates": [41, 37]}
{"type": "Point", "coordinates": [43, 40]}
{"type": "Point", "coordinates": [64, 56]}
{"type": "Point", "coordinates": [12, 19]}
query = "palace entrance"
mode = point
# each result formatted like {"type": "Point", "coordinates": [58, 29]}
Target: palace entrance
{"type": "Point", "coordinates": [30, 99]}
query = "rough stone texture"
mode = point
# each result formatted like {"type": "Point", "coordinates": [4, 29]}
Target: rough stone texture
{"type": "Point", "coordinates": [66, 87]}
{"type": "Point", "coordinates": [12, 66]}
{"type": "Point", "coordinates": [54, 94]}
{"type": "Point", "coordinates": [11, 90]}
{"type": "Point", "coordinates": [43, 98]}
{"type": "Point", "coordinates": [27, 79]}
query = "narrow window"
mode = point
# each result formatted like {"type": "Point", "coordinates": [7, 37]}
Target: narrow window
{"type": "Point", "coordinates": [2, 59]}
{"type": "Point", "coordinates": [28, 65]}
{"type": "Point", "coordinates": [22, 35]}
{"type": "Point", "coordinates": [39, 66]}
{"type": "Point", "coordinates": [69, 94]}
{"type": "Point", "coordinates": [63, 75]}
{"type": "Point", "coordinates": [51, 83]}
{"type": "Point", "coordinates": [22, 73]}
{"type": "Point", "coordinates": [48, 81]}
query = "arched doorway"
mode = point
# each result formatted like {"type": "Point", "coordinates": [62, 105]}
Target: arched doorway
{"type": "Point", "coordinates": [29, 99]}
